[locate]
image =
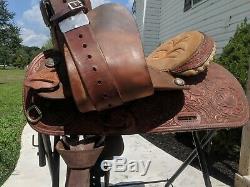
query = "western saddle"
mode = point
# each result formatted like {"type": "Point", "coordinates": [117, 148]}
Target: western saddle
{"type": "Point", "coordinates": [97, 82]}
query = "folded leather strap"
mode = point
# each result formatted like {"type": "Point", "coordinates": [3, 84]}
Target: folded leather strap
{"type": "Point", "coordinates": [89, 62]}
{"type": "Point", "coordinates": [117, 35]}
{"type": "Point", "coordinates": [103, 84]}
{"type": "Point", "coordinates": [77, 88]}
{"type": "Point", "coordinates": [93, 69]}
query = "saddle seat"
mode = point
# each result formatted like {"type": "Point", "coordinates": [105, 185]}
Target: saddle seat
{"type": "Point", "coordinates": [98, 81]}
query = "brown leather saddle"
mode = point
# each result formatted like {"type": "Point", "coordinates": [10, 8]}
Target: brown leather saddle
{"type": "Point", "coordinates": [98, 81]}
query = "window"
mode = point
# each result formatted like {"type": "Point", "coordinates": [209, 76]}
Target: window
{"type": "Point", "coordinates": [134, 8]}
{"type": "Point", "coordinates": [190, 3]}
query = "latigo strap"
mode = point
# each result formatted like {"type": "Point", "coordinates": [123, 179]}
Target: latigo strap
{"type": "Point", "coordinates": [100, 77]}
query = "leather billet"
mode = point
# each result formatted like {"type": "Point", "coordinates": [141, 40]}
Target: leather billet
{"type": "Point", "coordinates": [106, 84]}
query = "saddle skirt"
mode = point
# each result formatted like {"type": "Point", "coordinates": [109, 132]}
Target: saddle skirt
{"type": "Point", "coordinates": [97, 80]}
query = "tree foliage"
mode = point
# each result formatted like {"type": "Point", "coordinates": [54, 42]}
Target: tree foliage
{"type": "Point", "coordinates": [24, 55]}
{"type": "Point", "coordinates": [9, 34]}
{"type": "Point", "coordinates": [48, 45]}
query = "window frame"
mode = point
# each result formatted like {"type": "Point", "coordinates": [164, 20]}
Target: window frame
{"type": "Point", "coordinates": [192, 4]}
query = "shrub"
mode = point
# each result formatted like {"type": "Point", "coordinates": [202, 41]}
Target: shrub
{"type": "Point", "coordinates": [236, 54]}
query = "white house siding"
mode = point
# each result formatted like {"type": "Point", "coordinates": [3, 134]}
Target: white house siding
{"type": "Point", "coordinates": [151, 25]}
{"type": "Point", "coordinates": [139, 14]}
{"type": "Point", "coordinates": [217, 18]}
{"type": "Point", "coordinates": [147, 15]}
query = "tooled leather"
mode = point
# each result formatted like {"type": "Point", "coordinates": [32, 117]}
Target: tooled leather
{"type": "Point", "coordinates": [92, 68]}
{"type": "Point", "coordinates": [45, 78]}
{"type": "Point", "coordinates": [215, 97]}
{"type": "Point", "coordinates": [199, 57]}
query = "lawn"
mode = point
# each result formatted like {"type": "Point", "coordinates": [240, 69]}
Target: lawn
{"type": "Point", "coordinates": [11, 120]}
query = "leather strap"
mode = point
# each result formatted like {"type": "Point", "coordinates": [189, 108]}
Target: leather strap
{"type": "Point", "coordinates": [92, 68]}
{"type": "Point", "coordinates": [80, 96]}
{"type": "Point", "coordinates": [66, 8]}
{"type": "Point", "coordinates": [90, 64]}
{"type": "Point", "coordinates": [62, 9]}
{"type": "Point", "coordinates": [117, 35]}
{"type": "Point", "coordinates": [103, 81]}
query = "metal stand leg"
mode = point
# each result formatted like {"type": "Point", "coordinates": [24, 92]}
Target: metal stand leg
{"type": "Point", "coordinates": [206, 139]}
{"type": "Point", "coordinates": [41, 151]}
{"type": "Point", "coordinates": [106, 178]}
{"type": "Point", "coordinates": [53, 159]}
{"type": "Point", "coordinates": [56, 158]}
{"type": "Point", "coordinates": [202, 159]}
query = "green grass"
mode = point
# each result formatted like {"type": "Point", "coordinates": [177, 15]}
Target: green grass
{"type": "Point", "coordinates": [11, 120]}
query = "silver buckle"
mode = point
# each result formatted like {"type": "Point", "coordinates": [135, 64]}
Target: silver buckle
{"type": "Point", "coordinates": [75, 4]}
{"type": "Point", "coordinates": [73, 22]}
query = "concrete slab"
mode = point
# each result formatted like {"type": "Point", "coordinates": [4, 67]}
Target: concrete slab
{"type": "Point", "coordinates": [163, 165]}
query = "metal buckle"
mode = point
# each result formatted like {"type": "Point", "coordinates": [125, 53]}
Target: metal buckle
{"type": "Point", "coordinates": [75, 4]}
{"type": "Point", "coordinates": [29, 118]}
{"type": "Point", "coordinates": [73, 22]}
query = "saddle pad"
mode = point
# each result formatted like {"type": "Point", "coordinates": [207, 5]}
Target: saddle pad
{"type": "Point", "coordinates": [215, 100]}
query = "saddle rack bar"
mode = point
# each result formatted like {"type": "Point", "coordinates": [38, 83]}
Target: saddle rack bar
{"type": "Point", "coordinates": [198, 151]}
{"type": "Point", "coordinates": [45, 150]}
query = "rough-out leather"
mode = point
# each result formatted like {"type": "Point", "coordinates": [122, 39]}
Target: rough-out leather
{"type": "Point", "coordinates": [188, 53]}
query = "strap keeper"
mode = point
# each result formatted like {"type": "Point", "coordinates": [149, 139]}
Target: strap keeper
{"type": "Point", "coordinates": [67, 13]}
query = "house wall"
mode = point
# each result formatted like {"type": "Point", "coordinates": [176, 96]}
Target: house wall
{"type": "Point", "coordinates": [139, 14]}
{"type": "Point", "coordinates": [152, 25]}
{"type": "Point", "coordinates": [147, 16]}
{"type": "Point", "coordinates": [217, 18]}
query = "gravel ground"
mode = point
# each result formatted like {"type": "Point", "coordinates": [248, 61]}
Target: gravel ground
{"type": "Point", "coordinates": [180, 146]}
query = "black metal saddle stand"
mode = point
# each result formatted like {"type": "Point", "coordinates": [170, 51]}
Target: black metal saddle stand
{"type": "Point", "coordinates": [45, 150]}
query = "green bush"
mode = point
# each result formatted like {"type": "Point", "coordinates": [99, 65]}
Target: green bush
{"type": "Point", "coordinates": [236, 58]}
{"type": "Point", "coordinates": [236, 54]}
